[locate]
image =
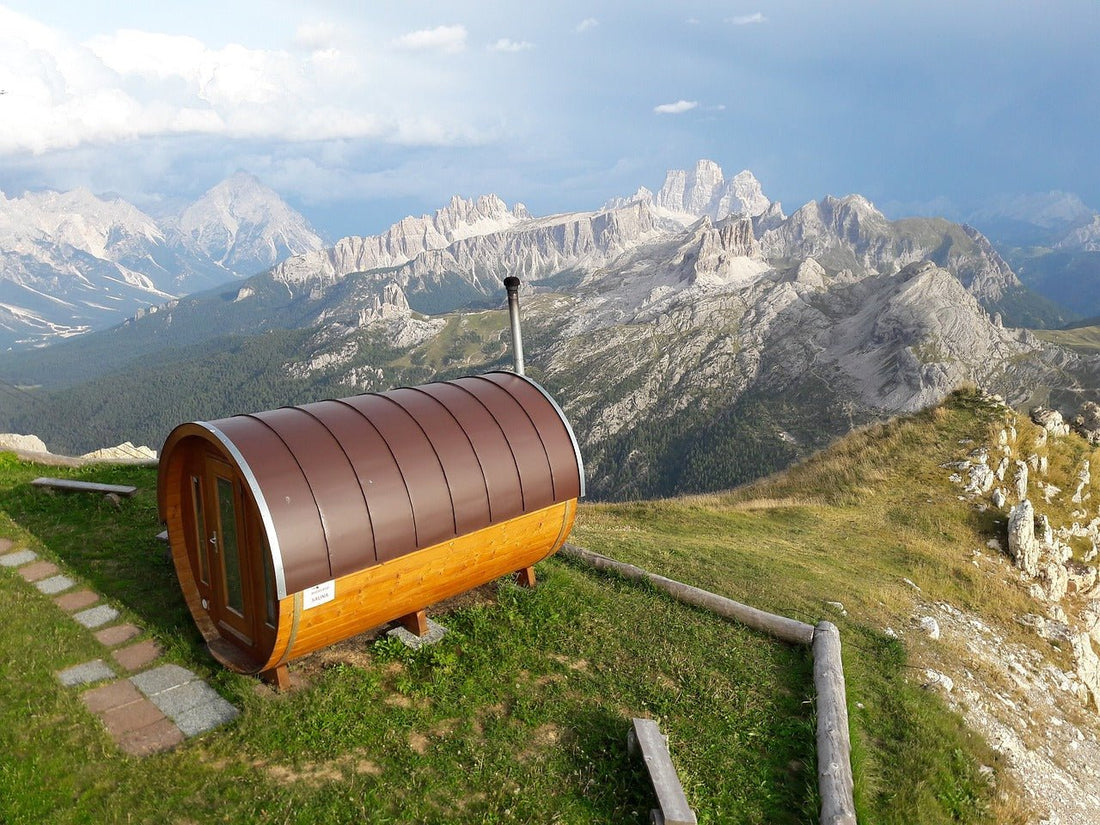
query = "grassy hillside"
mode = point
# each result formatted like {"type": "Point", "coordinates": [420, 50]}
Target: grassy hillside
{"type": "Point", "coordinates": [520, 714]}
{"type": "Point", "coordinates": [1083, 339]}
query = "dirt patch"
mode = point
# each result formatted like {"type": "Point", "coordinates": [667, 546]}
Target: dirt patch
{"type": "Point", "coordinates": [419, 743]}
{"type": "Point", "coordinates": [542, 738]}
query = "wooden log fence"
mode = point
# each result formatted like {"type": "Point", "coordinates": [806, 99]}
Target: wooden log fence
{"type": "Point", "coordinates": [834, 767]}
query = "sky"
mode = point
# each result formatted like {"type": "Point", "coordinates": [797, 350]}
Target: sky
{"type": "Point", "coordinates": [359, 113]}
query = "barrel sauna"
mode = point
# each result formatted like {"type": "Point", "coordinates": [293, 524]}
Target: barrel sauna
{"type": "Point", "coordinates": [296, 528]}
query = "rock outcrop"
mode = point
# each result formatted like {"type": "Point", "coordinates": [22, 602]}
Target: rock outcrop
{"type": "Point", "coordinates": [1023, 547]}
{"type": "Point", "coordinates": [1087, 422]}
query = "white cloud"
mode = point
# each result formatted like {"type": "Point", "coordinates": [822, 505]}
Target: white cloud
{"type": "Point", "coordinates": [679, 107]}
{"type": "Point", "coordinates": [506, 45]}
{"type": "Point", "coordinates": [315, 37]}
{"type": "Point", "coordinates": [128, 84]}
{"type": "Point", "coordinates": [445, 39]}
{"type": "Point", "coordinates": [587, 24]}
{"type": "Point", "coordinates": [747, 19]}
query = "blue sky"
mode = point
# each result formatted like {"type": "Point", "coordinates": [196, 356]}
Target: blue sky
{"type": "Point", "coordinates": [361, 112]}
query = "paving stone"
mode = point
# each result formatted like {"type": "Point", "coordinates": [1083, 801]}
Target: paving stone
{"type": "Point", "coordinates": [38, 570]}
{"type": "Point", "coordinates": [126, 718]}
{"type": "Point", "coordinates": [435, 633]}
{"type": "Point", "coordinates": [94, 671]}
{"type": "Point", "coordinates": [5, 545]}
{"type": "Point", "coordinates": [54, 584]}
{"type": "Point", "coordinates": [116, 634]}
{"type": "Point", "coordinates": [18, 558]}
{"type": "Point", "coordinates": [138, 655]}
{"type": "Point", "coordinates": [75, 601]}
{"type": "Point", "coordinates": [112, 695]}
{"type": "Point", "coordinates": [162, 678]}
{"type": "Point", "coordinates": [96, 616]}
{"type": "Point", "coordinates": [154, 738]}
{"type": "Point", "coordinates": [205, 716]}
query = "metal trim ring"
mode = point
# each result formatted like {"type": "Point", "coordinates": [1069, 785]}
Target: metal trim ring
{"type": "Point", "coordinates": [261, 504]}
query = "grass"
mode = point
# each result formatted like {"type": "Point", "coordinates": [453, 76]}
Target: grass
{"type": "Point", "coordinates": [851, 525]}
{"type": "Point", "coordinates": [519, 715]}
{"type": "Point", "coordinates": [1085, 340]}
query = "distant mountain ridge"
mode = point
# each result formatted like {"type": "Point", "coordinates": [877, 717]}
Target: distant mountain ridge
{"type": "Point", "coordinates": [690, 352]}
{"type": "Point", "coordinates": [71, 261]}
{"type": "Point", "coordinates": [1052, 241]}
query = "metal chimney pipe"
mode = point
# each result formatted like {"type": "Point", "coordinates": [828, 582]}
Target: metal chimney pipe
{"type": "Point", "coordinates": [511, 283]}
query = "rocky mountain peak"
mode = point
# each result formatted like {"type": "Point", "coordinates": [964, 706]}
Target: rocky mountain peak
{"type": "Point", "coordinates": [688, 195]}
{"type": "Point", "coordinates": [242, 225]}
{"type": "Point", "coordinates": [705, 191]}
{"type": "Point", "coordinates": [1084, 238]}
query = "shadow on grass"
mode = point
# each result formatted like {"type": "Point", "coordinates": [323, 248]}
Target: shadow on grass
{"type": "Point", "coordinates": [109, 546]}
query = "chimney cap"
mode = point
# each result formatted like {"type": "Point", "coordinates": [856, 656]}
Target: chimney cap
{"type": "Point", "coordinates": [511, 282]}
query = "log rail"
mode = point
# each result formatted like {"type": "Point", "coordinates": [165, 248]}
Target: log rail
{"type": "Point", "coordinates": [834, 766]}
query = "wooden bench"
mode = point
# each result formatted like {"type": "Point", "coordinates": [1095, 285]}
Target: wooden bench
{"type": "Point", "coordinates": [69, 485]}
{"type": "Point", "coordinates": [646, 737]}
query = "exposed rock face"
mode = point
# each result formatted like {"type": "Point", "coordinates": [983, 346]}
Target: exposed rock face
{"type": "Point", "coordinates": [125, 451]}
{"type": "Point", "coordinates": [1084, 478]}
{"type": "Point", "coordinates": [1087, 423]}
{"type": "Point", "coordinates": [1022, 544]}
{"type": "Point", "coordinates": [1088, 666]}
{"type": "Point", "coordinates": [1050, 420]}
{"type": "Point", "coordinates": [1021, 481]}
{"type": "Point", "coordinates": [981, 478]}
{"type": "Point", "coordinates": [27, 443]}
{"type": "Point", "coordinates": [406, 239]}
{"type": "Point", "coordinates": [688, 195]}
{"type": "Point", "coordinates": [1083, 238]}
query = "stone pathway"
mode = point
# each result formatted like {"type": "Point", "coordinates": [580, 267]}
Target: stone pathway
{"type": "Point", "coordinates": [146, 707]}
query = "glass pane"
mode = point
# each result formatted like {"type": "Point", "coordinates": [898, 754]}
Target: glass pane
{"type": "Point", "coordinates": [200, 528]}
{"type": "Point", "coordinates": [269, 585]}
{"type": "Point", "coordinates": [231, 552]}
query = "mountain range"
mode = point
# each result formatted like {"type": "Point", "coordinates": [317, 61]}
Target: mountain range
{"type": "Point", "coordinates": [73, 262]}
{"type": "Point", "coordinates": [697, 336]}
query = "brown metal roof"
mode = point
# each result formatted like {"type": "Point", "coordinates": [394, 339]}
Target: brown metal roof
{"type": "Point", "coordinates": [343, 485]}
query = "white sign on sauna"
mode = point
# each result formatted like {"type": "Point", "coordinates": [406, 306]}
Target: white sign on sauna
{"type": "Point", "coordinates": [318, 594]}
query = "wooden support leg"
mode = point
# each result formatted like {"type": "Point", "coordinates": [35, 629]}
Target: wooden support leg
{"type": "Point", "coordinates": [525, 577]}
{"type": "Point", "coordinates": [277, 677]}
{"type": "Point", "coordinates": [416, 623]}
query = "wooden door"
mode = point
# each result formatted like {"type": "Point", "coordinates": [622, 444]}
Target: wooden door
{"type": "Point", "coordinates": [231, 559]}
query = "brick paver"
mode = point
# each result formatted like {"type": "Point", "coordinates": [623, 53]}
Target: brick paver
{"type": "Point", "coordinates": [75, 601]}
{"type": "Point", "coordinates": [150, 712]}
{"type": "Point", "coordinates": [116, 634]}
{"type": "Point", "coordinates": [137, 656]}
{"type": "Point", "coordinates": [38, 570]}
{"type": "Point", "coordinates": [112, 695]}
{"type": "Point", "coordinates": [154, 738]}
{"type": "Point", "coordinates": [130, 717]}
